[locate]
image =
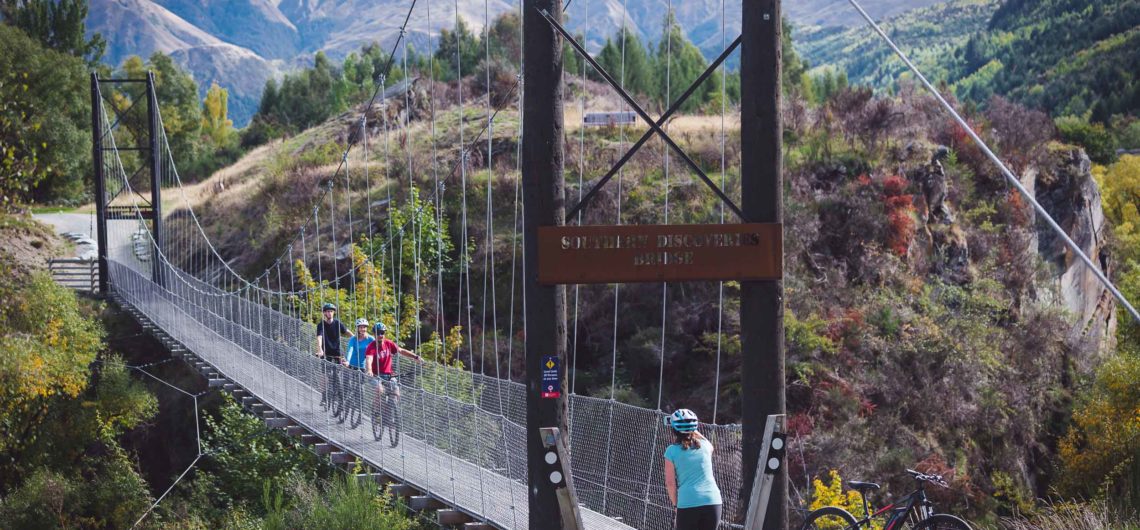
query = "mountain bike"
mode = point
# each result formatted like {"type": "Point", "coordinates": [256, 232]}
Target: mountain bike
{"type": "Point", "coordinates": [385, 413]}
{"type": "Point", "coordinates": [353, 394]}
{"type": "Point", "coordinates": [332, 395]}
{"type": "Point", "coordinates": [912, 512]}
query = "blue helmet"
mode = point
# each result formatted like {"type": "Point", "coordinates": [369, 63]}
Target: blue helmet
{"type": "Point", "coordinates": [379, 328]}
{"type": "Point", "coordinates": [683, 421]}
{"type": "Point", "coordinates": [328, 307]}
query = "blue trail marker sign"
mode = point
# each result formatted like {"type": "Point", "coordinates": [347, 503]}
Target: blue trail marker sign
{"type": "Point", "coordinates": [551, 377]}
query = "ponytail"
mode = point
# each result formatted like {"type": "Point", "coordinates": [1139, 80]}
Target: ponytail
{"type": "Point", "coordinates": [687, 440]}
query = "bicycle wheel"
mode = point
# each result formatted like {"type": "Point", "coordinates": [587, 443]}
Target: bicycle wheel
{"type": "Point", "coordinates": [829, 518]}
{"type": "Point", "coordinates": [393, 417]}
{"type": "Point", "coordinates": [942, 521]}
{"type": "Point", "coordinates": [377, 420]}
{"type": "Point", "coordinates": [336, 395]}
{"type": "Point", "coordinates": [355, 407]}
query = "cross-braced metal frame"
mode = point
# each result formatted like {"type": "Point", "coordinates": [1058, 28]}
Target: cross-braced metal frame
{"type": "Point", "coordinates": [103, 207]}
{"type": "Point", "coordinates": [654, 125]}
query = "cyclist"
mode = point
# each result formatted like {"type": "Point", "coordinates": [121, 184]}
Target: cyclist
{"type": "Point", "coordinates": [329, 332]}
{"type": "Point", "coordinates": [358, 345]}
{"type": "Point", "coordinates": [379, 360]}
{"type": "Point", "coordinates": [689, 476]}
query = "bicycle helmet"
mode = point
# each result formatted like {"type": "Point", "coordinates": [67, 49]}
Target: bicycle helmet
{"type": "Point", "coordinates": [379, 328]}
{"type": "Point", "coordinates": [362, 322]}
{"type": "Point", "coordinates": [683, 420]}
{"type": "Point", "coordinates": [328, 307]}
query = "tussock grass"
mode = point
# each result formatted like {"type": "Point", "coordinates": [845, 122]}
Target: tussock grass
{"type": "Point", "coordinates": [1097, 515]}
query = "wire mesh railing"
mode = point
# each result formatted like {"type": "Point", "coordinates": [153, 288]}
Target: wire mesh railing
{"type": "Point", "coordinates": [462, 435]}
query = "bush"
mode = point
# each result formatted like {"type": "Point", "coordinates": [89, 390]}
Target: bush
{"type": "Point", "coordinates": [832, 494]}
{"type": "Point", "coordinates": [345, 504]}
{"type": "Point", "coordinates": [1094, 137]}
{"type": "Point", "coordinates": [1100, 455]}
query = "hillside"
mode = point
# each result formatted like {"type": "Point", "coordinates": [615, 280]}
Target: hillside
{"type": "Point", "coordinates": [930, 36]}
{"type": "Point", "coordinates": [240, 44]}
{"type": "Point", "coordinates": [1066, 57]}
{"type": "Point", "coordinates": [950, 330]}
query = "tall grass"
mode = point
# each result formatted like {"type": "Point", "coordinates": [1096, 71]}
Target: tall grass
{"type": "Point", "coordinates": [1096, 515]}
{"type": "Point", "coordinates": [344, 503]}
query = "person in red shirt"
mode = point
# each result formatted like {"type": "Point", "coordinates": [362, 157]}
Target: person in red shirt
{"type": "Point", "coordinates": [378, 360]}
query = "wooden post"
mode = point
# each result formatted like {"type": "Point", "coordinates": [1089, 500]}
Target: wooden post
{"type": "Point", "coordinates": [762, 302]}
{"type": "Point", "coordinates": [543, 205]}
{"type": "Point", "coordinates": [100, 181]}
{"type": "Point", "coordinates": [155, 179]}
{"type": "Point", "coordinates": [762, 482]}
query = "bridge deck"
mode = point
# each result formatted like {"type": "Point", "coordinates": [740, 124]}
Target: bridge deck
{"type": "Point", "coordinates": [487, 495]}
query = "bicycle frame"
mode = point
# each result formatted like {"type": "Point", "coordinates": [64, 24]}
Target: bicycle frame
{"type": "Point", "coordinates": [902, 510]}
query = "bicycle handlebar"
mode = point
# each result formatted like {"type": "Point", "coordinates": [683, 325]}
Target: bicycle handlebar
{"type": "Point", "coordinates": [933, 479]}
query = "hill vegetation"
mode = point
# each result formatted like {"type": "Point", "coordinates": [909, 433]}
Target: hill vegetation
{"type": "Point", "coordinates": [1066, 57]}
{"type": "Point", "coordinates": [930, 36]}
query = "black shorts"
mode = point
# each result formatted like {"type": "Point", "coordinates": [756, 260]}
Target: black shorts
{"type": "Point", "coordinates": [698, 518]}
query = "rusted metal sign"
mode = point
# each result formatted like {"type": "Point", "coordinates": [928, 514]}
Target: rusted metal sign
{"type": "Point", "coordinates": [656, 253]}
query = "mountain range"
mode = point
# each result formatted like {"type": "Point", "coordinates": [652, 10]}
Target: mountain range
{"type": "Point", "coordinates": [239, 44]}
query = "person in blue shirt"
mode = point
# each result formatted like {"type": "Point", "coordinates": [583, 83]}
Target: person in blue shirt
{"type": "Point", "coordinates": [357, 345]}
{"type": "Point", "coordinates": [689, 476]}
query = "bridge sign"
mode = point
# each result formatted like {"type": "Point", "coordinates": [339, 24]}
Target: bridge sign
{"type": "Point", "coordinates": [551, 378]}
{"type": "Point", "coordinates": [657, 253]}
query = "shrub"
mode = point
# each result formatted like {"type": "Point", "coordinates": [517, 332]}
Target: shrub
{"type": "Point", "coordinates": [900, 215]}
{"type": "Point", "coordinates": [1094, 137]}
{"type": "Point", "coordinates": [832, 494]}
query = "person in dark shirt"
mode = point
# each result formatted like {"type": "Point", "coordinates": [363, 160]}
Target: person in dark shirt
{"type": "Point", "coordinates": [329, 332]}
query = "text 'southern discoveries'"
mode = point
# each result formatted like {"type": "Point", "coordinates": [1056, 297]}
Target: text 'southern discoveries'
{"type": "Point", "coordinates": [665, 249]}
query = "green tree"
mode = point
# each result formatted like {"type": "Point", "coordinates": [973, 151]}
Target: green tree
{"type": "Point", "coordinates": [627, 61]}
{"type": "Point", "coordinates": [506, 38]}
{"type": "Point", "coordinates": [1120, 197]}
{"type": "Point", "coordinates": [677, 63]}
{"type": "Point", "coordinates": [793, 66]}
{"type": "Point", "coordinates": [1094, 137]}
{"type": "Point", "coordinates": [45, 122]}
{"type": "Point", "coordinates": [178, 105]}
{"type": "Point", "coordinates": [458, 49]}
{"type": "Point", "coordinates": [216, 124]}
{"type": "Point", "coordinates": [20, 169]}
{"type": "Point", "coordinates": [57, 24]}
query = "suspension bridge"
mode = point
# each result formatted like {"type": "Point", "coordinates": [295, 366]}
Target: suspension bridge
{"type": "Point", "coordinates": [469, 436]}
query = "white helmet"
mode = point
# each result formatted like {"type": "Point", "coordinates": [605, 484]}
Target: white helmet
{"type": "Point", "coordinates": [362, 322]}
{"type": "Point", "coordinates": [683, 420]}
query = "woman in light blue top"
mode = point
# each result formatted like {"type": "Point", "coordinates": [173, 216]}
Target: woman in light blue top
{"type": "Point", "coordinates": [357, 345]}
{"type": "Point", "coordinates": [689, 475]}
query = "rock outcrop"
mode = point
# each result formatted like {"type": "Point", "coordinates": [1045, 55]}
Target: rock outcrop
{"type": "Point", "coordinates": [1066, 190]}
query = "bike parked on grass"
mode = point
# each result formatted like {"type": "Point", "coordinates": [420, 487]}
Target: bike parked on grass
{"type": "Point", "coordinates": [912, 512]}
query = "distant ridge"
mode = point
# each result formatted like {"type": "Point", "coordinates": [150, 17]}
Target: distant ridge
{"type": "Point", "coordinates": [239, 44]}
